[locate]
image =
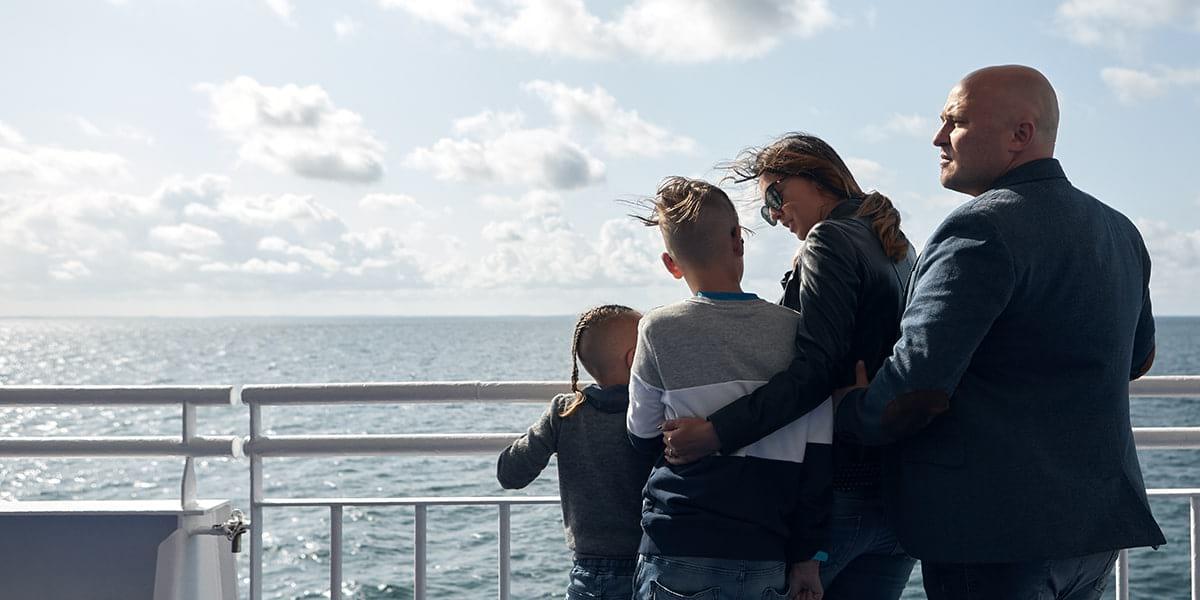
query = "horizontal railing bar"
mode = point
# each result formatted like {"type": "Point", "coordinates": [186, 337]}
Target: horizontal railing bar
{"type": "Point", "coordinates": [115, 395]}
{"type": "Point", "coordinates": [436, 444]}
{"type": "Point", "coordinates": [535, 391]}
{"type": "Point", "coordinates": [408, 392]}
{"type": "Point", "coordinates": [411, 501]}
{"type": "Point", "coordinates": [1166, 386]}
{"type": "Point", "coordinates": [494, 500]}
{"type": "Point", "coordinates": [454, 444]}
{"type": "Point", "coordinates": [1166, 438]}
{"type": "Point", "coordinates": [121, 447]}
{"type": "Point", "coordinates": [1173, 492]}
{"type": "Point", "coordinates": [1172, 386]}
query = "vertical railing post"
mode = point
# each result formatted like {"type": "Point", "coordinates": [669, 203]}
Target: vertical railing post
{"type": "Point", "coordinates": [187, 485]}
{"type": "Point", "coordinates": [335, 552]}
{"type": "Point", "coordinates": [505, 549]}
{"type": "Point", "coordinates": [256, 512]}
{"type": "Point", "coordinates": [1121, 573]}
{"type": "Point", "coordinates": [420, 557]}
{"type": "Point", "coordinates": [1194, 501]}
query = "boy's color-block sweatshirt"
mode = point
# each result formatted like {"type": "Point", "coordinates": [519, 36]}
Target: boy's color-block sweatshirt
{"type": "Point", "coordinates": [769, 500]}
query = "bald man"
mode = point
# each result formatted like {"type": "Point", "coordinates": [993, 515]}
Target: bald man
{"type": "Point", "coordinates": [1013, 472]}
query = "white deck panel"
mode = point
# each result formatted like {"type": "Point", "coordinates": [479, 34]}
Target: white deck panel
{"type": "Point", "coordinates": [107, 507]}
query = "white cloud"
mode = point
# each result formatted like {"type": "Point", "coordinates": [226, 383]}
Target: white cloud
{"type": "Point", "coordinates": [121, 132]}
{"type": "Point", "coordinates": [388, 201]}
{"type": "Point", "coordinates": [55, 165]}
{"type": "Point", "coordinates": [295, 129]}
{"type": "Point", "coordinates": [868, 173]}
{"type": "Point", "coordinates": [10, 136]}
{"type": "Point", "coordinates": [661, 30]}
{"type": "Point", "coordinates": [459, 16]}
{"type": "Point", "coordinates": [70, 270]}
{"type": "Point", "coordinates": [1175, 256]}
{"type": "Point", "coordinates": [186, 236]}
{"type": "Point", "coordinates": [346, 27]}
{"type": "Point", "coordinates": [1132, 86]}
{"type": "Point", "coordinates": [621, 132]}
{"type": "Point", "coordinates": [1121, 24]}
{"type": "Point", "coordinates": [281, 8]}
{"type": "Point", "coordinates": [898, 124]}
{"type": "Point", "coordinates": [194, 234]}
{"type": "Point", "coordinates": [541, 248]}
{"type": "Point", "coordinates": [543, 158]}
{"type": "Point", "coordinates": [488, 123]}
{"type": "Point", "coordinates": [497, 146]}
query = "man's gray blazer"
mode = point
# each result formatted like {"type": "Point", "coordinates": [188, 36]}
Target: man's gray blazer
{"type": "Point", "coordinates": [1007, 395]}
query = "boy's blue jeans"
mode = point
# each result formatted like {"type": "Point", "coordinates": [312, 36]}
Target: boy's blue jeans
{"type": "Point", "coordinates": [601, 579]}
{"type": "Point", "coordinates": [685, 578]}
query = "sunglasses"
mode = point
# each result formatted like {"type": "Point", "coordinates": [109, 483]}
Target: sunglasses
{"type": "Point", "coordinates": [772, 201]}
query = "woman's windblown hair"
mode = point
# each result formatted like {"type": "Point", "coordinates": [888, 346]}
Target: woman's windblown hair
{"type": "Point", "coordinates": [808, 156]}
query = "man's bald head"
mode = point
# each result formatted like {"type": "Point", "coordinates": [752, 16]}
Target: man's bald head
{"type": "Point", "coordinates": [995, 119]}
{"type": "Point", "coordinates": [1019, 92]}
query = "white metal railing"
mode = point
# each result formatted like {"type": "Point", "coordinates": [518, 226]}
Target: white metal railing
{"type": "Point", "coordinates": [188, 445]}
{"type": "Point", "coordinates": [259, 446]}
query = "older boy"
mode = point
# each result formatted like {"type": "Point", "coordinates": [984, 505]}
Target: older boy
{"type": "Point", "coordinates": [726, 526]}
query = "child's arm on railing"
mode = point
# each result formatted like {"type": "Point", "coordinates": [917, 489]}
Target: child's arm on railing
{"type": "Point", "coordinates": [523, 460]}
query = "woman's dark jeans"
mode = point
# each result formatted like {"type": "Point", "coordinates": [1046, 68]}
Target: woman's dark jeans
{"type": "Point", "coordinates": [866, 561]}
{"type": "Point", "coordinates": [601, 579]}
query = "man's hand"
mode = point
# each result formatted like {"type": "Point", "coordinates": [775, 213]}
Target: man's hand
{"type": "Point", "coordinates": [689, 439]}
{"type": "Point", "coordinates": [860, 382]}
{"type": "Point", "coordinates": [804, 581]}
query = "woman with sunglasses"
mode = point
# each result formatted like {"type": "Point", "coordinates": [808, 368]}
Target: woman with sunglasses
{"type": "Point", "coordinates": [848, 282]}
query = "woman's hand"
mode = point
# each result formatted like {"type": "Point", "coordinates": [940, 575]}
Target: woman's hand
{"type": "Point", "coordinates": [860, 382]}
{"type": "Point", "coordinates": [689, 439]}
{"type": "Point", "coordinates": [804, 581]}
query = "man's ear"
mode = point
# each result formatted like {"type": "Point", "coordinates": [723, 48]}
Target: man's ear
{"type": "Point", "coordinates": [1022, 136]}
{"type": "Point", "coordinates": [739, 242]}
{"type": "Point", "coordinates": [672, 266]}
{"type": "Point", "coordinates": [629, 358]}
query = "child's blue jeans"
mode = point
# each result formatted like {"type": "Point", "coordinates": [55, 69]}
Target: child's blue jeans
{"type": "Point", "coordinates": [601, 579]}
{"type": "Point", "coordinates": [685, 578]}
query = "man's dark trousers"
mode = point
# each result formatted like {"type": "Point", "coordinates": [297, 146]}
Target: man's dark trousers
{"type": "Point", "coordinates": [1082, 578]}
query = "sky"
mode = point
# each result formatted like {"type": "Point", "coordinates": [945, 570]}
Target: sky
{"type": "Point", "coordinates": [482, 157]}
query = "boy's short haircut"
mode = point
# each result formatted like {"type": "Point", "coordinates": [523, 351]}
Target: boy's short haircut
{"type": "Point", "coordinates": [692, 216]}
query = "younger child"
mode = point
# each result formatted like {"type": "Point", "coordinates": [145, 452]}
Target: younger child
{"type": "Point", "coordinates": [724, 527]}
{"type": "Point", "coordinates": [600, 477]}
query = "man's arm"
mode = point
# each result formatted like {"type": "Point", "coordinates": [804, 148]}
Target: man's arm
{"type": "Point", "coordinates": [829, 290]}
{"type": "Point", "coordinates": [1143, 338]}
{"type": "Point", "coordinates": [964, 283]}
{"type": "Point", "coordinates": [524, 459]}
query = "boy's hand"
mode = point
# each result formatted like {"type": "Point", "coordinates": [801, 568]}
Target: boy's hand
{"type": "Point", "coordinates": [804, 581]}
{"type": "Point", "coordinates": [860, 382]}
{"type": "Point", "coordinates": [689, 439]}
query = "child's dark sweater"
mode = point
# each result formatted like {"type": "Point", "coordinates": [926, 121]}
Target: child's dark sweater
{"type": "Point", "coordinates": [600, 476]}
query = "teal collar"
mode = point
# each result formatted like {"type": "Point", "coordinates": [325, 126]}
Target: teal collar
{"type": "Point", "coordinates": [726, 296]}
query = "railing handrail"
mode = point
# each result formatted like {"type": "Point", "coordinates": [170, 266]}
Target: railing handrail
{"type": "Point", "coordinates": [117, 395]}
{"type": "Point", "coordinates": [402, 392]}
{"type": "Point", "coordinates": [1174, 386]}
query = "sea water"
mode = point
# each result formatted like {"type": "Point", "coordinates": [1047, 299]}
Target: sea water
{"type": "Point", "coordinates": [378, 546]}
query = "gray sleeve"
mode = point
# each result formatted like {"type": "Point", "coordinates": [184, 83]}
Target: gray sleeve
{"type": "Point", "coordinates": [523, 460]}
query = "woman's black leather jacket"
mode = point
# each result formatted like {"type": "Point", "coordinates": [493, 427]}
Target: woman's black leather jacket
{"type": "Point", "coordinates": [850, 296]}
